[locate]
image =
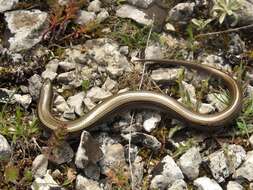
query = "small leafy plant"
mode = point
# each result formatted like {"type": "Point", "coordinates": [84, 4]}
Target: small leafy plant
{"type": "Point", "coordinates": [201, 24]}
{"type": "Point", "coordinates": [61, 21]}
{"type": "Point", "coordinates": [85, 85]}
{"type": "Point", "coordinates": [17, 127]}
{"type": "Point", "coordinates": [224, 8]}
{"type": "Point", "coordinates": [133, 36]}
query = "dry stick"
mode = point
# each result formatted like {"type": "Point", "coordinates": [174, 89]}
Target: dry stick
{"type": "Point", "coordinates": [132, 117]}
{"type": "Point", "coordinates": [144, 66]}
{"type": "Point", "coordinates": [224, 31]}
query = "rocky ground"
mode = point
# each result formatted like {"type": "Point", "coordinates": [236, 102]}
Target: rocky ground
{"type": "Point", "coordinates": [87, 48]}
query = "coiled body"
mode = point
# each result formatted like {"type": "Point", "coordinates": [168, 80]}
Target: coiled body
{"type": "Point", "coordinates": [146, 99]}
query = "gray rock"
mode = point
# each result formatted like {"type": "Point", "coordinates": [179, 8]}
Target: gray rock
{"type": "Point", "coordinates": [245, 14]}
{"type": "Point", "coordinates": [124, 50]}
{"type": "Point", "coordinates": [34, 86]}
{"type": "Point", "coordinates": [218, 100]}
{"type": "Point", "coordinates": [66, 77]}
{"type": "Point", "coordinates": [105, 140]}
{"type": "Point", "coordinates": [39, 166]}
{"type": "Point", "coordinates": [145, 140]}
{"type": "Point", "coordinates": [114, 158]}
{"type": "Point", "coordinates": [134, 150]}
{"type": "Point", "coordinates": [236, 45]}
{"type": "Point", "coordinates": [109, 84]}
{"type": "Point", "coordinates": [5, 95]}
{"type": "Point", "coordinates": [88, 151]}
{"type": "Point", "coordinates": [165, 173]}
{"type": "Point", "coordinates": [102, 16]}
{"type": "Point", "coordinates": [245, 171]}
{"type": "Point", "coordinates": [189, 89]}
{"type": "Point", "coordinates": [70, 78]}
{"type": "Point", "coordinates": [85, 17]}
{"type": "Point", "coordinates": [181, 13]}
{"type": "Point", "coordinates": [225, 162]}
{"type": "Point", "coordinates": [141, 3]}
{"type": "Point", "coordinates": [27, 28]}
{"type": "Point", "coordinates": [7, 5]}
{"type": "Point", "coordinates": [62, 153]}
{"type": "Point", "coordinates": [63, 2]}
{"type": "Point", "coordinates": [23, 100]}
{"type": "Point", "coordinates": [69, 113]}
{"type": "Point", "coordinates": [249, 90]}
{"type": "Point", "coordinates": [251, 140]}
{"type": "Point", "coordinates": [96, 94]}
{"type": "Point", "coordinates": [160, 182]}
{"type": "Point", "coordinates": [218, 166]}
{"type": "Point", "coordinates": [201, 3]}
{"type": "Point", "coordinates": [75, 54]}
{"type": "Point", "coordinates": [47, 74]}
{"type": "Point", "coordinates": [190, 163]}
{"type": "Point", "coordinates": [67, 66]}
{"type": "Point", "coordinates": [87, 156]}
{"type": "Point", "coordinates": [205, 183]}
{"type": "Point", "coordinates": [169, 27]}
{"type": "Point", "coordinates": [105, 53]}
{"type": "Point", "coordinates": [83, 183]}
{"type": "Point", "coordinates": [151, 121]}
{"type": "Point", "coordinates": [24, 89]}
{"type": "Point", "coordinates": [89, 104]}
{"type": "Point", "coordinates": [249, 75]}
{"type": "Point", "coordinates": [128, 11]}
{"type": "Point", "coordinates": [235, 155]}
{"type": "Point", "coordinates": [60, 104]}
{"type": "Point", "coordinates": [45, 182]}
{"type": "Point", "coordinates": [215, 61]}
{"type": "Point", "coordinates": [95, 6]}
{"type": "Point", "coordinates": [76, 102]}
{"type": "Point", "coordinates": [154, 51]}
{"type": "Point", "coordinates": [92, 171]}
{"type": "Point", "coordinates": [165, 74]}
{"type": "Point", "coordinates": [57, 173]}
{"type": "Point", "coordinates": [138, 171]}
{"type": "Point", "coordinates": [53, 65]}
{"type": "Point", "coordinates": [233, 185]}
{"type": "Point", "coordinates": [5, 149]}
{"type": "Point", "coordinates": [178, 185]}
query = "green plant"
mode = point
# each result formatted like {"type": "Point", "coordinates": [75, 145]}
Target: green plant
{"type": "Point", "coordinates": [244, 123]}
{"type": "Point", "coordinates": [191, 38]}
{"type": "Point", "coordinates": [85, 85]}
{"type": "Point", "coordinates": [11, 173]}
{"type": "Point", "coordinates": [184, 94]}
{"type": "Point", "coordinates": [224, 8]}
{"type": "Point", "coordinates": [242, 126]}
{"type": "Point", "coordinates": [223, 97]}
{"type": "Point", "coordinates": [119, 2]}
{"type": "Point", "coordinates": [200, 24]}
{"type": "Point", "coordinates": [17, 126]}
{"type": "Point", "coordinates": [134, 36]}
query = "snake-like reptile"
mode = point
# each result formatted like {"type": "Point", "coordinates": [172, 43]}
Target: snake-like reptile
{"type": "Point", "coordinates": [147, 99]}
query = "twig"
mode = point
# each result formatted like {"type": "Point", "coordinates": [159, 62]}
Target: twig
{"type": "Point", "coordinates": [144, 66]}
{"type": "Point", "coordinates": [132, 117]}
{"type": "Point", "coordinates": [129, 152]}
{"type": "Point", "coordinates": [224, 31]}
{"type": "Point", "coordinates": [36, 144]}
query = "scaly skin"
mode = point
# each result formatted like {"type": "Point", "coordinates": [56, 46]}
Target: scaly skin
{"type": "Point", "coordinates": [137, 99]}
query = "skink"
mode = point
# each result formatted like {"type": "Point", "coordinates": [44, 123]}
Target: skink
{"type": "Point", "coordinates": [146, 99]}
